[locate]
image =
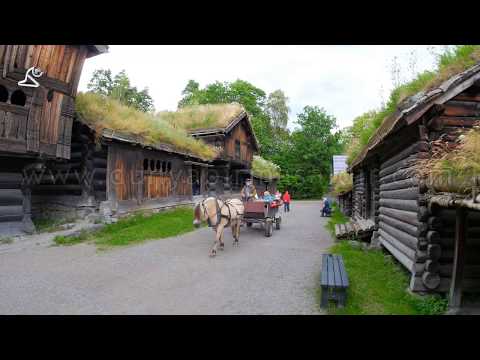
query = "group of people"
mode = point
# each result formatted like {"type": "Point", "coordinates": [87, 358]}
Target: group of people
{"type": "Point", "coordinates": [249, 192]}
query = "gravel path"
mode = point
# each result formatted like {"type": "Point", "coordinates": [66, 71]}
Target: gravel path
{"type": "Point", "coordinates": [274, 275]}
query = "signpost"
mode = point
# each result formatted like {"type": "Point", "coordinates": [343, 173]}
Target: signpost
{"type": "Point", "coordinates": [339, 163]}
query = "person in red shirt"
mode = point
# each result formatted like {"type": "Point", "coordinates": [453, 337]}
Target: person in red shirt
{"type": "Point", "coordinates": [286, 201]}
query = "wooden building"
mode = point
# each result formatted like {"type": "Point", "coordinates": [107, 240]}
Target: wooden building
{"type": "Point", "coordinates": [345, 202]}
{"type": "Point", "coordinates": [388, 191]}
{"type": "Point", "coordinates": [237, 143]}
{"type": "Point", "coordinates": [116, 173]}
{"type": "Point", "coordinates": [35, 122]}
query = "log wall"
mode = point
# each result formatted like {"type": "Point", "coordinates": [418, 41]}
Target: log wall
{"type": "Point", "coordinates": [457, 115]}
{"type": "Point", "coordinates": [345, 203]}
{"type": "Point", "coordinates": [400, 229]}
{"type": "Point", "coordinates": [358, 198]}
{"type": "Point", "coordinates": [15, 196]}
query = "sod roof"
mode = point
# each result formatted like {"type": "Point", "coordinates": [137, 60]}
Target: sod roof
{"type": "Point", "coordinates": [109, 118]}
{"type": "Point", "coordinates": [264, 169]}
{"type": "Point", "coordinates": [412, 108]}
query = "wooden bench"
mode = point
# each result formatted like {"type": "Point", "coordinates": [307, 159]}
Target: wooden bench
{"type": "Point", "coordinates": [334, 280]}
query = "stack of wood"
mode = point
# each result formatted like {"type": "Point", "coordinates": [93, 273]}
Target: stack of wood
{"type": "Point", "coordinates": [359, 228]}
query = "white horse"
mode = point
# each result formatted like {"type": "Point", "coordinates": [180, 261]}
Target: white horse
{"type": "Point", "coordinates": [219, 215]}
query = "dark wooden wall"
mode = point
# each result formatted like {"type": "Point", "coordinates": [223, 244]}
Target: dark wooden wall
{"type": "Point", "coordinates": [455, 116]}
{"type": "Point", "coordinates": [227, 144]}
{"type": "Point", "coordinates": [42, 123]}
{"type": "Point", "coordinates": [239, 133]}
{"type": "Point", "coordinates": [345, 203]}
{"type": "Point", "coordinates": [358, 198]}
{"type": "Point", "coordinates": [139, 175]}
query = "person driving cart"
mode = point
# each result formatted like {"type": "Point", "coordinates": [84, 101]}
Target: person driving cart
{"type": "Point", "coordinates": [248, 192]}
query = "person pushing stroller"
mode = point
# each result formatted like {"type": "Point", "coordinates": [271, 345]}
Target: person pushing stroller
{"type": "Point", "coordinates": [326, 210]}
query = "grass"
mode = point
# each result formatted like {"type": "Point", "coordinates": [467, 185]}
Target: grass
{"type": "Point", "coordinates": [452, 61]}
{"type": "Point", "coordinates": [50, 225]}
{"type": "Point", "coordinates": [102, 112]}
{"type": "Point", "coordinates": [336, 218]}
{"type": "Point", "coordinates": [136, 229]}
{"type": "Point", "coordinates": [5, 240]}
{"type": "Point", "coordinates": [342, 182]}
{"type": "Point", "coordinates": [378, 286]}
{"type": "Point", "coordinates": [205, 116]}
{"type": "Point", "coordinates": [454, 170]}
{"type": "Point", "coordinates": [264, 168]}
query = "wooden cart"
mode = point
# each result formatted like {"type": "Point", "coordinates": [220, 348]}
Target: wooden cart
{"type": "Point", "coordinates": [261, 212]}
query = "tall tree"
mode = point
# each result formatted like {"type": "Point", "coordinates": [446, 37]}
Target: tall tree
{"type": "Point", "coordinates": [252, 98]}
{"type": "Point", "coordinates": [119, 87]}
{"type": "Point", "coordinates": [306, 158]}
{"type": "Point", "coordinates": [278, 109]}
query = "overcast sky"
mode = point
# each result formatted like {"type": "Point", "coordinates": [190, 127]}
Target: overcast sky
{"type": "Point", "coordinates": [345, 80]}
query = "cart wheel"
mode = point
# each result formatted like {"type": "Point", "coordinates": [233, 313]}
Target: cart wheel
{"type": "Point", "coordinates": [277, 223]}
{"type": "Point", "coordinates": [249, 224]}
{"type": "Point", "coordinates": [268, 228]}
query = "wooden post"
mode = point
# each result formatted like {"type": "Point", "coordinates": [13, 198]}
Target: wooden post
{"type": "Point", "coordinates": [458, 260]}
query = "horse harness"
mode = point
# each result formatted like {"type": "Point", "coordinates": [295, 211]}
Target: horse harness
{"type": "Point", "coordinates": [219, 213]}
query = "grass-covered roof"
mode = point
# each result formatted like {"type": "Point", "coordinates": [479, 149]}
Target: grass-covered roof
{"type": "Point", "coordinates": [342, 183]}
{"type": "Point", "coordinates": [454, 168]}
{"type": "Point", "coordinates": [376, 122]}
{"type": "Point", "coordinates": [264, 169]}
{"type": "Point", "coordinates": [199, 117]}
{"type": "Point", "coordinates": [100, 113]}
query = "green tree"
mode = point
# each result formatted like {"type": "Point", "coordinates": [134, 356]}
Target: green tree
{"type": "Point", "coordinates": [306, 157]}
{"type": "Point", "coordinates": [119, 87]}
{"type": "Point", "coordinates": [278, 109]}
{"type": "Point", "coordinates": [252, 98]}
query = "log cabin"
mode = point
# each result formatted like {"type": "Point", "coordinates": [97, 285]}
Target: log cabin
{"type": "Point", "coordinates": [425, 234]}
{"type": "Point", "coordinates": [122, 163]}
{"type": "Point", "coordinates": [345, 202]}
{"type": "Point", "coordinates": [228, 128]}
{"type": "Point", "coordinates": [118, 168]}
{"type": "Point", "coordinates": [35, 122]}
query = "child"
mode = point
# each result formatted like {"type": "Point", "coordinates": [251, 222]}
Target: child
{"type": "Point", "coordinates": [267, 197]}
{"type": "Point", "coordinates": [278, 195]}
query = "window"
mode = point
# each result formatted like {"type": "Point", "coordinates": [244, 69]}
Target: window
{"type": "Point", "coordinates": [169, 166]}
{"type": "Point", "coordinates": [152, 165]}
{"type": "Point", "coordinates": [164, 166]}
{"type": "Point", "coordinates": [50, 95]}
{"type": "Point", "coordinates": [158, 165]}
{"type": "Point", "coordinates": [3, 94]}
{"type": "Point", "coordinates": [237, 149]}
{"type": "Point", "coordinates": [18, 98]}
